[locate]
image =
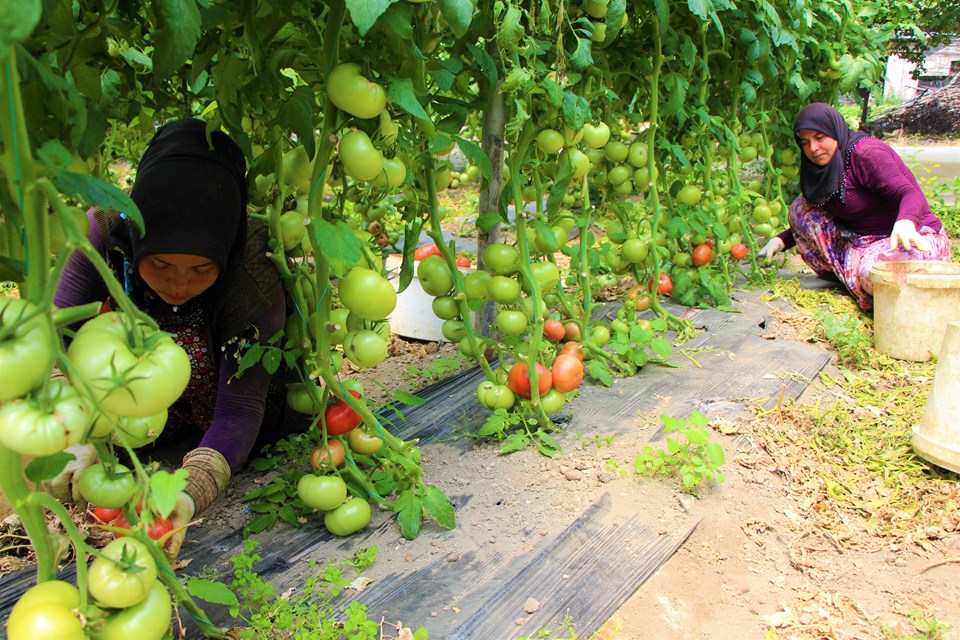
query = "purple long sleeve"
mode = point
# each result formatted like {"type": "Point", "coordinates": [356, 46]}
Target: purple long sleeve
{"type": "Point", "coordinates": [880, 190]}
{"type": "Point", "coordinates": [79, 282]}
{"type": "Point", "coordinates": [241, 401]}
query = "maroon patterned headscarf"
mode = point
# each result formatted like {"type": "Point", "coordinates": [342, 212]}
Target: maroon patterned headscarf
{"type": "Point", "coordinates": [819, 184]}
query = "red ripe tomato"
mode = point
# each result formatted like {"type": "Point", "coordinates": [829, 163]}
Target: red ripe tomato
{"type": "Point", "coordinates": [156, 529]}
{"type": "Point", "coordinates": [553, 330]}
{"type": "Point", "coordinates": [106, 516]}
{"type": "Point", "coordinates": [702, 254]}
{"type": "Point", "coordinates": [665, 286]}
{"type": "Point", "coordinates": [426, 250]}
{"type": "Point", "coordinates": [463, 261]}
{"type": "Point", "coordinates": [738, 251]}
{"type": "Point", "coordinates": [321, 457]}
{"type": "Point", "coordinates": [574, 349]}
{"type": "Point", "coordinates": [340, 417]}
{"type": "Point", "coordinates": [519, 379]}
{"type": "Point", "coordinates": [567, 373]}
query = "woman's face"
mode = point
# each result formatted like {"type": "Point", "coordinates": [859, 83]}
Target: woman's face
{"type": "Point", "coordinates": [178, 277]}
{"type": "Point", "coordinates": [818, 147]}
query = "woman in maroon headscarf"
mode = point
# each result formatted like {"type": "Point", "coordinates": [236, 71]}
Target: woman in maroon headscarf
{"type": "Point", "coordinates": [860, 205]}
{"type": "Point", "coordinates": [201, 271]}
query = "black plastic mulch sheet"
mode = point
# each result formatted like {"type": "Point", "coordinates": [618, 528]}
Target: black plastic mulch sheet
{"type": "Point", "coordinates": [733, 365]}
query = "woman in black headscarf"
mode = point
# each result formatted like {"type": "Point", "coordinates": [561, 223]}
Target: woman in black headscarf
{"type": "Point", "coordinates": [860, 205]}
{"type": "Point", "coordinates": [201, 271]}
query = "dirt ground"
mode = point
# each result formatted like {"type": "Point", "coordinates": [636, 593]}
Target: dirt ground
{"type": "Point", "coordinates": [758, 565]}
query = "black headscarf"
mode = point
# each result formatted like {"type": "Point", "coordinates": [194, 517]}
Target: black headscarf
{"type": "Point", "coordinates": [193, 196]}
{"type": "Point", "coordinates": [819, 184]}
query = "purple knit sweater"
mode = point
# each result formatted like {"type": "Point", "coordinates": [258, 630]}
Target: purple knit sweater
{"type": "Point", "coordinates": [880, 190]}
{"type": "Point", "coordinates": [239, 405]}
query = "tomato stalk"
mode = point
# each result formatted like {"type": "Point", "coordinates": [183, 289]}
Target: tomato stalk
{"type": "Point", "coordinates": [81, 549]}
{"type": "Point", "coordinates": [15, 488]}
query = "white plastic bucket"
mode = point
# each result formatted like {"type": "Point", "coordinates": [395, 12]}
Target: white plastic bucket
{"type": "Point", "coordinates": [912, 302]}
{"type": "Point", "coordinates": [937, 436]}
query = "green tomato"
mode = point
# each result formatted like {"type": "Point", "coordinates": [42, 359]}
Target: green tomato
{"type": "Point", "coordinates": [453, 330]}
{"type": "Point", "coordinates": [148, 619]}
{"type": "Point", "coordinates": [578, 161]}
{"type": "Point", "coordinates": [445, 307]}
{"type": "Point", "coordinates": [337, 325]}
{"type": "Point", "coordinates": [642, 179]}
{"type": "Point", "coordinates": [322, 492]}
{"type": "Point", "coordinates": [616, 151]}
{"type": "Point", "coordinates": [137, 431]}
{"type": "Point", "coordinates": [122, 575]}
{"type": "Point", "coordinates": [301, 400]}
{"type": "Point", "coordinates": [503, 289]}
{"type": "Point", "coordinates": [552, 401]}
{"type": "Point", "coordinates": [475, 285]}
{"type": "Point", "coordinates": [689, 195]}
{"type": "Point", "coordinates": [550, 141]}
{"type": "Point", "coordinates": [45, 423]}
{"type": "Point", "coordinates": [355, 94]}
{"type": "Point", "coordinates": [360, 158]}
{"type": "Point", "coordinates": [297, 169]}
{"type": "Point", "coordinates": [45, 612]}
{"type": "Point", "coordinates": [493, 396]}
{"type": "Point", "coordinates": [434, 276]}
{"type": "Point", "coordinates": [363, 442]}
{"type": "Point", "coordinates": [393, 175]}
{"type": "Point", "coordinates": [367, 294]}
{"type": "Point", "coordinates": [128, 378]}
{"type": "Point", "coordinates": [350, 517]}
{"type": "Point", "coordinates": [107, 488]}
{"type": "Point", "coordinates": [601, 335]}
{"type": "Point", "coordinates": [638, 154]}
{"type": "Point", "coordinates": [546, 274]}
{"type": "Point", "coordinates": [365, 348]}
{"type": "Point", "coordinates": [511, 323]}
{"type": "Point", "coordinates": [501, 259]}
{"type": "Point", "coordinates": [26, 347]}
{"type": "Point", "coordinates": [618, 174]}
{"type": "Point", "coordinates": [635, 250]}
{"type": "Point", "coordinates": [597, 136]}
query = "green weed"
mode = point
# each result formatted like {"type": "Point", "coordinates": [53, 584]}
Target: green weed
{"type": "Point", "coordinates": [689, 454]}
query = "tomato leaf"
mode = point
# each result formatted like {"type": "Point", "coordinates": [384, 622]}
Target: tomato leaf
{"type": "Point", "coordinates": [211, 591]}
{"type": "Point", "coordinates": [296, 114]}
{"type": "Point", "coordinates": [600, 372]}
{"type": "Point", "coordinates": [288, 515]}
{"type": "Point", "coordinates": [437, 505]}
{"type": "Point", "coordinates": [516, 441]}
{"type": "Point", "coordinates": [17, 21]}
{"type": "Point", "coordinates": [364, 13]}
{"type": "Point", "coordinates": [661, 347]}
{"type": "Point", "coordinates": [271, 360]}
{"type": "Point", "coordinates": [409, 399]}
{"type": "Point", "coordinates": [176, 35]}
{"type": "Point", "coordinates": [458, 14]}
{"type": "Point", "coordinates": [582, 57]}
{"type": "Point", "coordinates": [547, 444]}
{"type": "Point", "coordinates": [261, 523]}
{"type": "Point", "coordinates": [94, 192]}
{"type": "Point", "coordinates": [337, 244]}
{"type": "Point", "coordinates": [165, 487]}
{"type": "Point", "coordinates": [409, 508]}
{"type": "Point", "coordinates": [47, 467]}
{"type": "Point", "coordinates": [475, 155]}
{"type": "Point", "coordinates": [401, 93]}
{"type": "Point", "coordinates": [488, 221]}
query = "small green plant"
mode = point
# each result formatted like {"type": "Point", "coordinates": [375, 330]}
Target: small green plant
{"type": "Point", "coordinates": [514, 432]}
{"type": "Point", "coordinates": [689, 454]}
{"type": "Point", "coordinates": [925, 625]}
{"type": "Point", "coordinates": [598, 441]}
{"type": "Point", "coordinates": [311, 611]}
{"type": "Point", "coordinates": [565, 627]}
{"type": "Point", "coordinates": [438, 368]}
{"type": "Point", "coordinates": [850, 337]}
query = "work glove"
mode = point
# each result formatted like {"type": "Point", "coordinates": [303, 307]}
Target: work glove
{"type": "Point", "coordinates": [906, 235]}
{"type": "Point", "coordinates": [65, 486]}
{"type": "Point", "coordinates": [773, 247]}
{"type": "Point", "coordinates": [209, 476]}
{"type": "Point", "coordinates": [181, 517]}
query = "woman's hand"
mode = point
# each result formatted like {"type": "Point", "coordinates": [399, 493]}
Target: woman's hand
{"type": "Point", "coordinates": [64, 487]}
{"type": "Point", "coordinates": [772, 248]}
{"type": "Point", "coordinates": [182, 515]}
{"type": "Point", "coordinates": [905, 234]}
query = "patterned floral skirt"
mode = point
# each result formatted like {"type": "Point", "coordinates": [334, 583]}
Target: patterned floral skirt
{"type": "Point", "coordinates": [829, 248]}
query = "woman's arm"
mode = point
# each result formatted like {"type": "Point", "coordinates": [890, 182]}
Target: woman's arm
{"type": "Point", "coordinates": [80, 283]}
{"type": "Point", "coordinates": [879, 169]}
